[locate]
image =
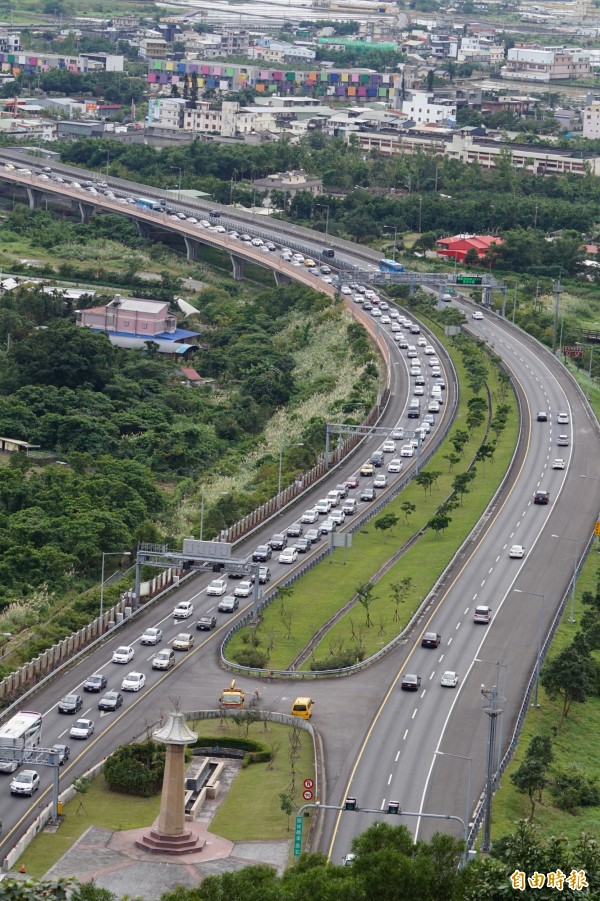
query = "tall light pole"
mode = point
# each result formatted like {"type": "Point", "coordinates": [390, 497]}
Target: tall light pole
{"type": "Point", "coordinates": [325, 206]}
{"type": "Point", "coordinates": [420, 211]}
{"type": "Point", "coordinates": [535, 594]}
{"type": "Point", "coordinates": [104, 555]}
{"type": "Point", "coordinates": [493, 712]}
{"type": "Point", "coordinates": [393, 228]}
{"type": "Point", "coordinates": [202, 507]}
{"type": "Point", "coordinates": [107, 161]}
{"type": "Point", "coordinates": [468, 810]}
{"type": "Point", "coordinates": [574, 581]}
{"type": "Point", "coordinates": [281, 450]}
{"type": "Point", "coordinates": [178, 169]}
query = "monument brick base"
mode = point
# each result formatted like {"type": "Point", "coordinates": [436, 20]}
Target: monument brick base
{"type": "Point", "coordinates": [156, 842]}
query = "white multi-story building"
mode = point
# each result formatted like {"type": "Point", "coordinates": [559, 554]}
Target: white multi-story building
{"type": "Point", "coordinates": [479, 48]}
{"type": "Point", "coordinates": [422, 108]}
{"type": "Point", "coordinates": [591, 121]}
{"type": "Point", "coordinates": [546, 64]}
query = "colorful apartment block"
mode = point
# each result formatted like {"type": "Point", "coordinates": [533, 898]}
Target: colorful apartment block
{"type": "Point", "coordinates": [350, 84]}
{"type": "Point", "coordinates": [31, 64]}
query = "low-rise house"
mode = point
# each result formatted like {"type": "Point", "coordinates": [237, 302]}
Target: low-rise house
{"type": "Point", "coordinates": [131, 322]}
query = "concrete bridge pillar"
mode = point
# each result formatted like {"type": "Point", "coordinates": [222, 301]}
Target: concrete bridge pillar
{"type": "Point", "coordinates": [144, 228]}
{"type": "Point", "coordinates": [85, 211]}
{"type": "Point", "coordinates": [238, 266]}
{"type": "Point", "coordinates": [281, 278]}
{"type": "Point", "coordinates": [34, 196]}
{"type": "Point", "coordinates": [191, 247]}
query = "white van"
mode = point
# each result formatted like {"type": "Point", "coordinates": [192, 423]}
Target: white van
{"type": "Point", "coordinates": [350, 506]}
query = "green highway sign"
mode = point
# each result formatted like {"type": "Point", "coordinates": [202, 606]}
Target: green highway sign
{"type": "Point", "coordinates": [469, 279]}
{"type": "Point", "coordinates": [298, 837]}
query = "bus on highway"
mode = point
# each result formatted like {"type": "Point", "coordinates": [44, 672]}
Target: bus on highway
{"type": "Point", "coordinates": [18, 738]}
{"type": "Point", "coordinates": [390, 266]}
{"type": "Point", "coordinates": [147, 204]}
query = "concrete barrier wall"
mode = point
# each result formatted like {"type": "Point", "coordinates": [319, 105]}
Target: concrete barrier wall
{"type": "Point", "coordinates": [59, 654]}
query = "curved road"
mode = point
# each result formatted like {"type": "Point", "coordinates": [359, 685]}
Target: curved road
{"type": "Point", "coordinates": [398, 759]}
{"type": "Point", "coordinates": [197, 679]}
{"type": "Point", "coordinates": [395, 756]}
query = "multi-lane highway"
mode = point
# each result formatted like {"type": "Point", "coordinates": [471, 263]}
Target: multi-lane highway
{"type": "Point", "coordinates": [391, 756]}
{"type": "Point", "coordinates": [400, 757]}
{"type": "Point", "coordinates": [141, 710]}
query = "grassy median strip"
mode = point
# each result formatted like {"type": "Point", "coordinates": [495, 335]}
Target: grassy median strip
{"type": "Point", "coordinates": [576, 745]}
{"type": "Point", "coordinates": [291, 621]}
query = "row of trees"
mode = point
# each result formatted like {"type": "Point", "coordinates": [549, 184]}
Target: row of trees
{"type": "Point", "coordinates": [433, 195]}
{"type": "Point", "coordinates": [571, 676]}
{"type": "Point", "coordinates": [389, 866]}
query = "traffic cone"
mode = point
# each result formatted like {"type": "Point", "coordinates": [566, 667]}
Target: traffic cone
{"type": "Point", "coordinates": [22, 868]}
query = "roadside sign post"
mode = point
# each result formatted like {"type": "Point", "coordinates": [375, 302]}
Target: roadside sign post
{"type": "Point", "coordinates": [298, 837]}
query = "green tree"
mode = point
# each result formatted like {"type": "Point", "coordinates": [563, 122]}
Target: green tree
{"type": "Point", "coordinates": [399, 592]}
{"type": "Point", "coordinates": [569, 676]}
{"type": "Point", "coordinates": [386, 522]}
{"type": "Point", "coordinates": [365, 597]}
{"type": "Point", "coordinates": [439, 522]}
{"type": "Point", "coordinates": [408, 509]}
{"type": "Point", "coordinates": [531, 778]}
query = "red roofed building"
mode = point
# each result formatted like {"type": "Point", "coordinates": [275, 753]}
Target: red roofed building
{"type": "Point", "coordinates": [457, 248]}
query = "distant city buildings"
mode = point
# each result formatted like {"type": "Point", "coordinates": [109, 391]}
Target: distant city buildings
{"type": "Point", "coordinates": [546, 64]}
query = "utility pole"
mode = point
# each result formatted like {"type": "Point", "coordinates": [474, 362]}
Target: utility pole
{"type": "Point", "coordinates": [557, 293]}
{"type": "Point", "coordinates": [493, 712]}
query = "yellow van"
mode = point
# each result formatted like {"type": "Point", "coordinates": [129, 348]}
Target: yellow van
{"type": "Point", "coordinates": [303, 707]}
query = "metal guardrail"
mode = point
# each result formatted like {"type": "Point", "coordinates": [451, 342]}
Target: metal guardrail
{"type": "Point", "coordinates": [320, 556]}
{"type": "Point", "coordinates": [523, 710]}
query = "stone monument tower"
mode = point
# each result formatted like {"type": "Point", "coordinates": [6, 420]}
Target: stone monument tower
{"type": "Point", "coordinates": [171, 836]}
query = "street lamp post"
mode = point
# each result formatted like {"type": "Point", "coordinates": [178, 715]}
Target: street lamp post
{"type": "Point", "coordinates": [107, 161]}
{"type": "Point", "coordinates": [178, 169]}
{"type": "Point", "coordinates": [104, 555]}
{"type": "Point", "coordinates": [325, 206]}
{"type": "Point", "coordinates": [393, 228]}
{"type": "Point", "coordinates": [468, 810]}
{"type": "Point", "coordinates": [281, 450]}
{"type": "Point", "coordinates": [202, 507]}
{"type": "Point", "coordinates": [536, 594]}
{"type": "Point", "coordinates": [574, 581]}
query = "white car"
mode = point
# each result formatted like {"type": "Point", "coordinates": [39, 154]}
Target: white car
{"type": "Point", "coordinates": [395, 465]}
{"type": "Point", "coordinates": [309, 516]}
{"type": "Point", "coordinates": [436, 371]}
{"type": "Point", "coordinates": [151, 636]}
{"type": "Point", "coordinates": [429, 350]}
{"type": "Point", "coordinates": [338, 516]}
{"type": "Point", "coordinates": [375, 312]}
{"type": "Point", "coordinates": [562, 418]}
{"type": "Point", "coordinates": [217, 587]}
{"type": "Point", "coordinates": [418, 391]}
{"type": "Point", "coordinates": [422, 342]}
{"type": "Point", "coordinates": [396, 327]}
{"type": "Point", "coordinates": [380, 481]}
{"type": "Point", "coordinates": [385, 319]}
{"type": "Point", "coordinates": [123, 654]}
{"type": "Point", "coordinates": [425, 427]}
{"type": "Point", "coordinates": [25, 783]}
{"type": "Point", "coordinates": [183, 610]}
{"type": "Point", "coordinates": [516, 552]}
{"type": "Point", "coordinates": [433, 406]}
{"type": "Point", "coordinates": [82, 729]}
{"type": "Point", "coordinates": [394, 313]}
{"type": "Point", "coordinates": [323, 506]}
{"type": "Point", "coordinates": [397, 434]}
{"type": "Point", "coordinates": [478, 314]}
{"type": "Point", "coordinates": [563, 440]}
{"type": "Point", "coordinates": [449, 679]}
{"type": "Point", "coordinates": [133, 682]}
{"type": "Point", "coordinates": [243, 590]}
{"type": "Point", "coordinates": [558, 464]}
{"type": "Point", "coordinates": [389, 446]}
{"type": "Point", "coordinates": [407, 451]}
{"type": "Point", "coordinates": [289, 555]}
{"type": "Point", "coordinates": [345, 289]}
